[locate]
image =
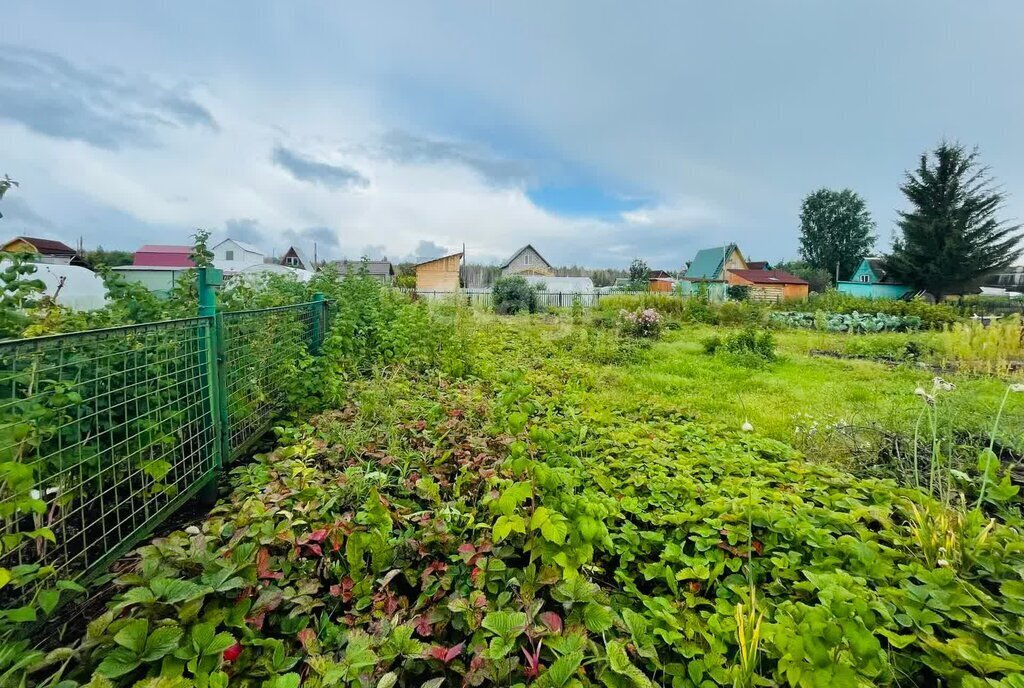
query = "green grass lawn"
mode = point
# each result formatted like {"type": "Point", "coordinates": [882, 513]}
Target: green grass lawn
{"type": "Point", "coordinates": [783, 399]}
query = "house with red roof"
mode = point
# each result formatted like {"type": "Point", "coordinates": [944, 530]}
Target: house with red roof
{"type": "Point", "coordinates": [163, 256]}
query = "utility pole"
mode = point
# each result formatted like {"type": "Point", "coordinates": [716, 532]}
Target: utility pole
{"type": "Point", "coordinates": [837, 273]}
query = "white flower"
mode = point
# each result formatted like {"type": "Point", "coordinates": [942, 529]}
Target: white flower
{"type": "Point", "coordinates": [35, 494]}
{"type": "Point", "coordinates": [942, 562]}
{"type": "Point", "coordinates": [1017, 387]}
{"type": "Point", "coordinates": [747, 427]}
{"type": "Point", "coordinates": [193, 530]}
{"type": "Point", "coordinates": [928, 398]}
{"type": "Point", "coordinates": [939, 384]}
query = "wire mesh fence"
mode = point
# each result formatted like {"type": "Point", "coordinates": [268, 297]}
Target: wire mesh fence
{"type": "Point", "coordinates": [101, 434]}
{"type": "Point", "coordinates": [262, 349]}
{"type": "Point", "coordinates": [104, 433]}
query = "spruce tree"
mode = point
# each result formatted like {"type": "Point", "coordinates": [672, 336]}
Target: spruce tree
{"type": "Point", "coordinates": [951, 235]}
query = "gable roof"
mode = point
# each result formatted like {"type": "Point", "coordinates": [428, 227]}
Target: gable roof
{"type": "Point", "coordinates": [516, 255]}
{"type": "Point", "coordinates": [301, 255]}
{"type": "Point", "coordinates": [658, 274]}
{"type": "Point", "coordinates": [758, 265]}
{"type": "Point", "coordinates": [877, 265]}
{"type": "Point", "coordinates": [768, 276]}
{"type": "Point", "coordinates": [48, 247]}
{"type": "Point", "coordinates": [434, 260]}
{"type": "Point", "coordinates": [373, 267]}
{"type": "Point", "coordinates": [707, 264]}
{"type": "Point", "coordinates": [241, 244]}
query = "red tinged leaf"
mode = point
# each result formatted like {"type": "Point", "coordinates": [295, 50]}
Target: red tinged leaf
{"type": "Point", "coordinates": [344, 590]}
{"type": "Point", "coordinates": [423, 626]}
{"type": "Point", "coordinates": [307, 636]}
{"type": "Point", "coordinates": [475, 574]}
{"type": "Point", "coordinates": [233, 652]}
{"type": "Point", "coordinates": [446, 654]}
{"type": "Point", "coordinates": [433, 567]}
{"type": "Point", "coordinates": [263, 571]}
{"type": "Point", "coordinates": [256, 620]}
{"type": "Point", "coordinates": [552, 621]}
{"type": "Point", "coordinates": [532, 661]}
{"type": "Point", "coordinates": [318, 535]}
{"type": "Point", "coordinates": [315, 549]}
{"type": "Point", "coordinates": [758, 546]}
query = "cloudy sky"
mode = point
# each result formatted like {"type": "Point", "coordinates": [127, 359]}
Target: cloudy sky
{"type": "Point", "coordinates": [597, 131]}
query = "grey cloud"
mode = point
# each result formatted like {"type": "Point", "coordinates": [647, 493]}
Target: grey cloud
{"type": "Point", "coordinates": [374, 251]}
{"type": "Point", "coordinates": [404, 147]}
{"type": "Point", "coordinates": [324, 239]}
{"type": "Point", "coordinates": [19, 216]}
{"type": "Point", "coordinates": [425, 250]}
{"type": "Point", "coordinates": [307, 169]}
{"type": "Point", "coordinates": [105, 108]}
{"type": "Point", "coordinates": [244, 229]}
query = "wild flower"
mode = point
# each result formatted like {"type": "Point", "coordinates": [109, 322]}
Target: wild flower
{"type": "Point", "coordinates": [925, 396]}
{"type": "Point", "coordinates": [938, 384]}
{"type": "Point", "coordinates": [1017, 387]}
{"type": "Point", "coordinates": [640, 323]}
{"type": "Point", "coordinates": [747, 427]}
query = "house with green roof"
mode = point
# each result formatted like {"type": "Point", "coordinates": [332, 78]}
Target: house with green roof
{"type": "Point", "coordinates": [710, 264]}
{"type": "Point", "coordinates": [872, 281]}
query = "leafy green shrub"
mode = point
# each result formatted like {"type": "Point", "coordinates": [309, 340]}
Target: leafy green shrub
{"type": "Point", "coordinates": [933, 316]}
{"type": "Point", "coordinates": [666, 304]}
{"type": "Point", "coordinates": [994, 349]}
{"type": "Point", "coordinates": [738, 292]}
{"type": "Point", "coordinates": [748, 342]}
{"type": "Point", "coordinates": [513, 295]}
{"type": "Point", "coordinates": [892, 347]}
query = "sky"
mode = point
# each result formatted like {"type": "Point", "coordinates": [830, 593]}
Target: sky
{"type": "Point", "coordinates": [596, 131]}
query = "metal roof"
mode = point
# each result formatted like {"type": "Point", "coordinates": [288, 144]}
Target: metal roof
{"type": "Point", "coordinates": [373, 267]}
{"type": "Point", "coordinates": [48, 247]}
{"type": "Point", "coordinates": [164, 248]}
{"type": "Point", "coordinates": [768, 276]}
{"type": "Point", "coordinates": [708, 262]}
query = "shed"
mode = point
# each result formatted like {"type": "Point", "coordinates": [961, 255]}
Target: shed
{"type": "Point", "coordinates": [48, 250]}
{"type": "Point", "coordinates": [526, 261]}
{"type": "Point", "coordinates": [769, 285]}
{"type": "Point", "coordinates": [871, 280]}
{"type": "Point", "coordinates": [381, 270]}
{"type": "Point", "coordinates": [156, 278]}
{"type": "Point", "coordinates": [164, 256]}
{"type": "Point", "coordinates": [439, 274]}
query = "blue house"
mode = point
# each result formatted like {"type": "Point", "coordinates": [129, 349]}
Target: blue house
{"type": "Point", "coordinates": [871, 281]}
{"type": "Point", "coordinates": [711, 264]}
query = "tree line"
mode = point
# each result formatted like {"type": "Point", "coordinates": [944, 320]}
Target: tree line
{"type": "Point", "coordinates": [948, 240]}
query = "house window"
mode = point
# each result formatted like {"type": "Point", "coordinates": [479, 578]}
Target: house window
{"type": "Point", "coordinates": [865, 278]}
{"type": "Point", "coordinates": [229, 255]}
{"type": "Point", "coordinates": [291, 260]}
{"type": "Point", "coordinates": [526, 259]}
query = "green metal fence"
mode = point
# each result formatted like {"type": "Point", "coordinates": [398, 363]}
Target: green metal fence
{"type": "Point", "coordinates": [105, 433]}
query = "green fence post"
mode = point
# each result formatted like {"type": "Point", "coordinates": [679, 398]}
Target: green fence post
{"type": "Point", "coordinates": [319, 322]}
{"type": "Point", "coordinates": [210, 278]}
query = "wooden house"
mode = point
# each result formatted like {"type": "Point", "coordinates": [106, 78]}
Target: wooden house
{"type": "Point", "coordinates": [870, 280]}
{"type": "Point", "coordinates": [439, 274]}
{"type": "Point", "coordinates": [526, 261]}
{"type": "Point", "coordinates": [769, 285]}
{"type": "Point", "coordinates": [48, 250]}
{"type": "Point", "coordinates": [711, 264]}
